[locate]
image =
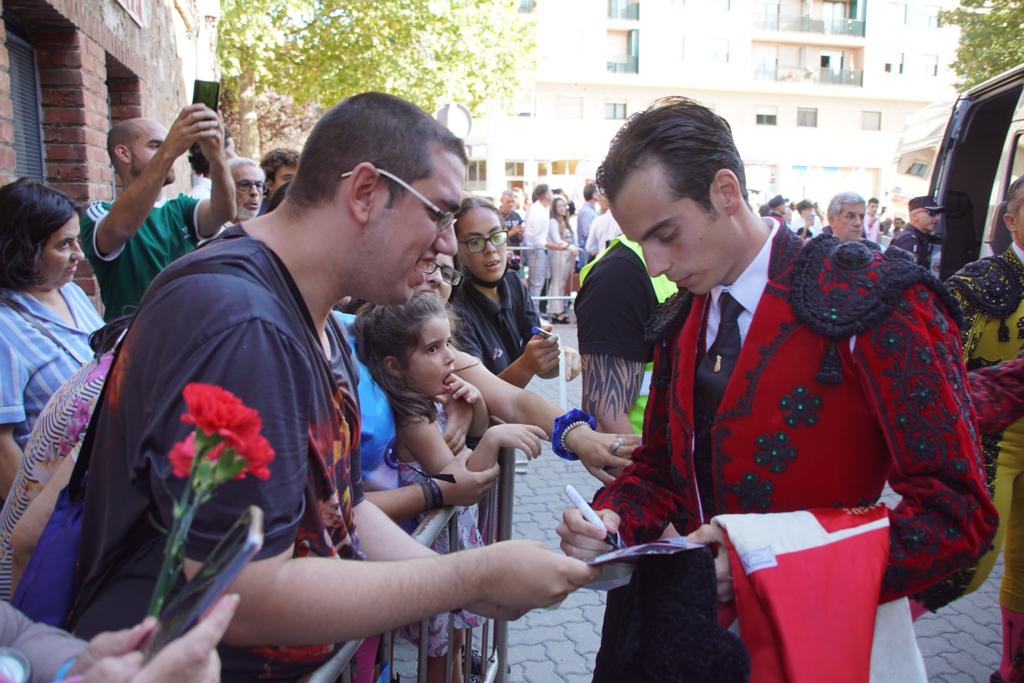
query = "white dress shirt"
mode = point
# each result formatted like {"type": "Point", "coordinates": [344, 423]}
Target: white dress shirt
{"type": "Point", "coordinates": [602, 230]}
{"type": "Point", "coordinates": [747, 291]}
{"type": "Point", "coordinates": [535, 227]}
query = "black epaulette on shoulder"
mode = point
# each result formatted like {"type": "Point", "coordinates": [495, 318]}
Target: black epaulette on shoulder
{"type": "Point", "coordinates": [841, 289]}
{"type": "Point", "coordinates": [668, 317]}
{"type": "Point", "coordinates": [992, 286]}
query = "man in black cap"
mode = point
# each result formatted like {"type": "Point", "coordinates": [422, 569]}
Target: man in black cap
{"type": "Point", "coordinates": [777, 207]}
{"type": "Point", "coordinates": [917, 237]}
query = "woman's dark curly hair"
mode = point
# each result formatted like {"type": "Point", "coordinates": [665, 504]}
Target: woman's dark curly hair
{"type": "Point", "coordinates": [29, 213]}
{"type": "Point", "coordinates": [383, 331]}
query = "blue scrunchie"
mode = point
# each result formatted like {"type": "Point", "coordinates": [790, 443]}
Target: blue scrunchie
{"type": "Point", "coordinates": [561, 423]}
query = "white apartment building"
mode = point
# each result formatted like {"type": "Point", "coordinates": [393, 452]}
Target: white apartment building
{"type": "Point", "coordinates": [815, 91]}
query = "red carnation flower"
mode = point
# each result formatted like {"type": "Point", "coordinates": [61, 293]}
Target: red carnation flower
{"type": "Point", "coordinates": [218, 412]}
{"type": "Point", "coordinates": [182, 454]}
{"type": "Point", "coordinates": [258, 454]}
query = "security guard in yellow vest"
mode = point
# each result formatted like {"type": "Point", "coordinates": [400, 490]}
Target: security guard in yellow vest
{"type": "Point", "coordinates": [616, 298]}
{"type": "Point", "coordinates": [991, 295]}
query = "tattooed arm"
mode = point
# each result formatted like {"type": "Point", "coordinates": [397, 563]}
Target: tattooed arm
{"type": "Point", "coordinates": [610, 387]}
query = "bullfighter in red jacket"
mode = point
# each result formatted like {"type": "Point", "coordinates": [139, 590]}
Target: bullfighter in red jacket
{"type": "Point", "coordinates": [786, 376]}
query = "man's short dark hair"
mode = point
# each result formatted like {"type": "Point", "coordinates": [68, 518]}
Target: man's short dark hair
{"type": "Point", "coordinates": [32, 212]}
{"type": "Point", "coordinates": [197, 160]}
{"type": "Point", "coordinates": [121, 133]}
{"type": "Point", "coordinates": [692, 142]}
{"type": "Point", "coordinates": [276, 159]}
{"type": "Point", "coordinates": [384, 130]}
{"type": "Point", "coordinates": [873, 200]}
{"type": "Point", "coordinates": [803, 205]}
{"type": "Point", "coordinates": [540, 191]}
{"type": "Point", "coordinates": [589, 190]}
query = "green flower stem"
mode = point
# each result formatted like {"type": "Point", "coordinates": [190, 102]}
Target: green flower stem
{"type": "Point", "coordinates": [198, 490]}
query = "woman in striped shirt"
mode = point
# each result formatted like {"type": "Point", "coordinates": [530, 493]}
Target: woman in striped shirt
{"type": "Point", "coordinates": [45, 319]}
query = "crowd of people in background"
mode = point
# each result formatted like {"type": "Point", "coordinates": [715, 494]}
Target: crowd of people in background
{"type": "Point", "coordinates": [381, 320]}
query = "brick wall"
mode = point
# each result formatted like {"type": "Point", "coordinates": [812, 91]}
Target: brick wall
{"type": "Point", "coordinates": [72, 82]}
{"type": "Point", "coordinates": [7, 157]}
{"type": "Point", "coordinates": [89, 77]}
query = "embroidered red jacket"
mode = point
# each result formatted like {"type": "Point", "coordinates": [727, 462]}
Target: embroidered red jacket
{"type": "Point", "coordinates": [806, 422]}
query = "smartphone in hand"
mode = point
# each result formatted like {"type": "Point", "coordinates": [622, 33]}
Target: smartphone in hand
{"type": "Point", "coordinates": [206, 92]}
{"type": "Point", "coordinates": [225, 562]}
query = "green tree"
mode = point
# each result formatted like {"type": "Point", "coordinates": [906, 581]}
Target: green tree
{"type": "Point", "coordinates": [320, 51]}
{"type": "Point", "coordinates": [990, 38]}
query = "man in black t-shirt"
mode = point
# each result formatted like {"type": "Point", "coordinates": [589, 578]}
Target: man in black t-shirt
{"type": "Point", "coordinates": [381, 178]}
{"type": "Point", "coordinates": [617, 296]}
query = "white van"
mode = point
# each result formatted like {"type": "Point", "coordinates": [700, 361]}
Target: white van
{"type": "Point", "coordinates": [981, 153]}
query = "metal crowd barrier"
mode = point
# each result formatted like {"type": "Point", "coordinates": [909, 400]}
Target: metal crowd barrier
{"type": "Point", "coordinates": [495, 525]}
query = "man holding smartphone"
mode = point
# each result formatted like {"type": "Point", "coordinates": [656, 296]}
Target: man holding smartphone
{"type": "Point", "coordinates": [130, 240]}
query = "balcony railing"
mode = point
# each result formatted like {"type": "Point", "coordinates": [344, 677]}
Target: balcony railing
{"type": "Point", "coordinates": [806, 24]}
{"type": "Point", "coordinates": [623, 65]}
{"type": "Point", "coordinates": [795, 74]}
{"type": "Point", "coordinates": [623, 9]}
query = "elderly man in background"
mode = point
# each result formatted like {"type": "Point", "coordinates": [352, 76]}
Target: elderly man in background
{"type": "Point", "coordinates": [249, 181]}
{"type": "Point", "coordinates": [846, 216]}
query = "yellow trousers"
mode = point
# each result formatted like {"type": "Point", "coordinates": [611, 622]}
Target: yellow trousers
{"type": "Point", "coordinates": [1009, 501]}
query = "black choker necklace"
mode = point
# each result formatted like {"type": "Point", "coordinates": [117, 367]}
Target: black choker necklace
{"type": "Point", "coordinates": [484, 283]}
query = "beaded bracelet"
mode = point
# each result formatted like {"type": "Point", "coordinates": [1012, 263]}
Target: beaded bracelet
{"type": "Point", "coordinates": [432, 495]}
{"type": "Point", "coordinates": [563, 425]}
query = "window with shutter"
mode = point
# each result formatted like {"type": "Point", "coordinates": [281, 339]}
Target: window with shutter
{"type": "Point", "coordinates": [28, 132]}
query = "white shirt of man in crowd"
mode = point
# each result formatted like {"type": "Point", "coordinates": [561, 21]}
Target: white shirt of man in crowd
{"type": "Point", "coordinates": [872, 222]}
{"type": "Point", "coordinates": [537, 222]}
{"type": "Point", "coordinates": [602, 230]}
{"type": "Point", "coordinates": [798, 222]}
{"type": "Point", "coordinates": [249, 181]}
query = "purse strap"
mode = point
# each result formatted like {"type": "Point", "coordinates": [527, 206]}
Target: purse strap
{"type": "Point", "coordinates": [20, 309]}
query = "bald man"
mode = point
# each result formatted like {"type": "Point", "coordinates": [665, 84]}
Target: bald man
{"type": "Point", "coordinates": [130, 240]}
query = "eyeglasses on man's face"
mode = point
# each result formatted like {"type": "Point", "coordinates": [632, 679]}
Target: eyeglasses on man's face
{"type": "Point", "coordinates": [448, 274]}
{"type": "Point", "coordinates": [443, 219]}
{"type": "Point", "coordinates": [246, 185]}
{"type": "Point", "coordinates": [478, 244]}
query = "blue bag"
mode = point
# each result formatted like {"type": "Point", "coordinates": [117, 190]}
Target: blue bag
{"type": "Point", "coordinates": [47, 589]}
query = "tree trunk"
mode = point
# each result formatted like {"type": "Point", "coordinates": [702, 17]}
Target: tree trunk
{"type": "Point", "coordinates": [250, 142]}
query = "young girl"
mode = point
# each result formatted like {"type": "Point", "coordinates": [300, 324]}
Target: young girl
{"type": "Point", "coordinates": [408, 350]}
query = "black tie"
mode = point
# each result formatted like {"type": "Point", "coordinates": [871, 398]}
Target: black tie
{"type": "Point", "coordinates": [712, 376]}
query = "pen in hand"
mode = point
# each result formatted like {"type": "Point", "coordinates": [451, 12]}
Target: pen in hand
{"type": "Point", "coordinates": [591, 516]}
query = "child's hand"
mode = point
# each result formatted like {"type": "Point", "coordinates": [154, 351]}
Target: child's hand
{"type": "Point", "coordinates": [526, 438]}
{"type": "Point", "coordinates": [462, 390]}
{"type": "Point", "coordinates": [460, 418]}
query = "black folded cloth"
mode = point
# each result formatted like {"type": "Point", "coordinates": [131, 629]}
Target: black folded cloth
{"type": "Point", "coordinates": [662, 626]}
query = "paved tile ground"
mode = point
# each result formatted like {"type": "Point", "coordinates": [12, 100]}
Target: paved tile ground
{"type": "Point", "coordinates": [961, 643]}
